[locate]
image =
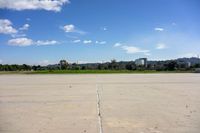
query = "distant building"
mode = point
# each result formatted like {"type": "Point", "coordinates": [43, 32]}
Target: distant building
{"type": "Point", "coordinates": [188, 64]}
{"type": "Point", "coordinates": [141, 62]}
{"type": "Point", "coordinates": [184, 64]}
{"type": "Point", "coordinates": [197, 70]}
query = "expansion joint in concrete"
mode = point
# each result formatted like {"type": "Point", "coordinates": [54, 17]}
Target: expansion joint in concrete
{"type": "Point", "coordinates": [99, 110]}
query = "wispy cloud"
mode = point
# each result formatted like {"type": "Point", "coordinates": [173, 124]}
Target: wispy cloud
{"type": "Point", "coordinates": [20, 42]}
{"type": "Point", "coordinates": [18, 35]}
{"type": "Point", "coordinates": [1, 60]}
{"type": "Point", "coordinates": [161, 46]}
{"type": "Point", "coordinates": [134, 50]}
{"type": "Point", "coordinates": [100, 42]}
{"type": "Point", "coordinates": [159, 29]}
{"type": "Point", "coordinates": [104, 28]}
{"type": "Point", "coordinates": [147, 54]}
{"type": "Point", "coordinates": [44, 62]}
{"type": "Point", "coordinates": [70, 28]}
{"type": "Point", "coordinates": [46, 42]}
{"type": "Point", "coordinates": [24, 27]}
{"type": "Point", "coordinates": [6, 27]}
{"type": "Point", "coordinates": [191, 54]}
{"type": "Point", "coordinates": [87, 41]}
{"type": "Point", "coordinates": [76, 41]}
{"type": "Point", "coordinates": [49, 5]}
{"type": "Point", "coordinates": [23, 42]}
{"type": "Point", "coordinates": [117, 44]}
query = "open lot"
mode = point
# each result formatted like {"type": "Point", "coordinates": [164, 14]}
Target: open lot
{"type": "Point", "coordinates": [128, 103]}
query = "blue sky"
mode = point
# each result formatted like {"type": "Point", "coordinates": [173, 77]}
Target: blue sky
{"type": "Point", "coordinates": [97, 30]}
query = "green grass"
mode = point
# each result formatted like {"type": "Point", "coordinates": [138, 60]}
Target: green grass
{"type": "Point", "coordinates": [90, 72]}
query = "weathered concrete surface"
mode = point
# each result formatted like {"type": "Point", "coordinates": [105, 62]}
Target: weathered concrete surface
{"type": "Point", "coordinates": [129, 103]}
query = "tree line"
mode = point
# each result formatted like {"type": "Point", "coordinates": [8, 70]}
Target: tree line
{"type": "Point", "coordinates": [168, 65]}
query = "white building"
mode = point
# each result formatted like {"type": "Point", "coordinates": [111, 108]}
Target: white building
{"type": "Point", "coordinates": [141, 62]}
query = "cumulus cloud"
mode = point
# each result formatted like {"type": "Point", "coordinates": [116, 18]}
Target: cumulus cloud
{"type": "Point", "coordinates": [6, 27]}
{"type": "Point", "coordinates": [70, 28]}
{"type": "Point", "coordinates": [22, 42]}
{"type": "Point", "coordinates": [158, 29]}
{"type": "Point", "coordinates": [87, 41]}
{"type": "Point", "coordinates": [161, 46]}
{"type": "Point", "coordinates": [49, 5]}
{"type": "Point", "coordinates": [100, 42]}
{"type": "Point", "coordinates": [134, 50]}
{"type": "Point", "coordinates": [24, 27]}
{"type": "Point", "coordinates": [117, 44]}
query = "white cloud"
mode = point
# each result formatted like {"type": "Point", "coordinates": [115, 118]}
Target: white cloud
{"type": "Point", "coordinates": [46, 42]}
{"type": "Point", "coordinates": [1, 61]}
{"type": "Point", "coordinates": [85, 62]}
{"type": "Point", "coordinates": [161, 46]}
{"type": "Point", "coordinates": [147, 54]}
{"type": "Point", "coordinates": [76, 41]}
{"type": "Point", "coordinates": [87, 41]}
{"type": "Point", "coordinates": [44, 62]}
{"type": "Point", "coordinates": [100, 42]}
{"type": "Point", "coordinates": [22, 42]}
{"type": "Point", "coordinates": [117, 44]}
{"type": "Point", "coordinates": [70, 28]}
{"type": "Point", "coordinates": [82, 62]}
{"type": "Point", "coordinates": [18, 35]}
{"type": "Point", "coordinates": [158, 29]}
{"type": "Point", "coordinates": [134, 50]}
{"type": "Point", "coordinates": [6, 27]}
{"type": "Point", "coordinates": [49, 5]}
{"type": "Point", "coordinates": [188, 55]}
{"type": "Point", "coordinates": [104, 28]}
{"type": "Point", "coordinates": [24, 27]}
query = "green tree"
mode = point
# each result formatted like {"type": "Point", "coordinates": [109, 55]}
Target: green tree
{"type": "Point", "coordinates": [63, 64]}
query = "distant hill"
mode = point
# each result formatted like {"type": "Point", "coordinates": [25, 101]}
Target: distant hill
{"type": "Point", "coordinates": [192, 60]}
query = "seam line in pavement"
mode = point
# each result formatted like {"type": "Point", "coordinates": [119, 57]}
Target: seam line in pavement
{"type": "Point", "coordinates": [99, 110]}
